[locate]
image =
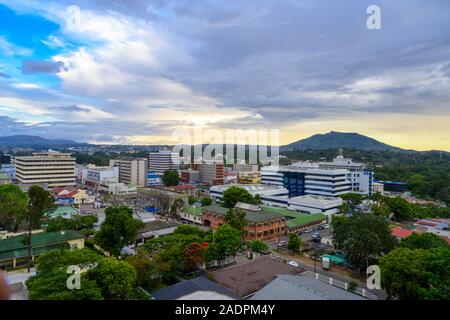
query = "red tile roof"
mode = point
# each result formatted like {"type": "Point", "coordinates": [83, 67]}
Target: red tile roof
{"type": "Point", "coordinates": [401, 233]}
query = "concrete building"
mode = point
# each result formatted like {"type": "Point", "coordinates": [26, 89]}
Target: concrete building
{"type": "Point", "coordinates": [261, 224]}
{"type": "Point", "coordinates": [315, 204]}
{"type": "Point", "coordinates": [190, 176]}
{"type": "Point", "coordinates": [378, 187]}
{"type": "Point", "coordinates": [329, 183]}
{"type": "Point", "coordinates": [52, 168]}
{"type": "Point", "coordinates": [160, 162]}
{"type": "Point", "coordinates": [69, 195]}
{"type": "Point", "coordinates": [131, 170]}
{"type": "Point", "coordinates": [211, 173]}
{"type": "Point", "coordinates": [9, 170]}
{"type": "Point", "coordinates": [4, 179]}
{"type": "Point", "coordinates": [359, 175]}
{"type": "Point", "coordinates": [249, 177]}
{"type": "Point", "coordinates": [307, 178]}
{"type": "Point", "coordinates": [245, 167]}
{"type": "Point", "coordinates": [94, 177]}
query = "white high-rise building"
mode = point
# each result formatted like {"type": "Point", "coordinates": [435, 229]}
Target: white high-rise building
{"type": "Point", "coordinates": [325, 182]}
{"type": "Point", "coordinates": [359, 175]}
{"type": "Point", "coordinates": [160, 162]}
{"type": "Point", "coordinates": [131, 170]}
{"type": "Point", "coordinates": [51, 168]}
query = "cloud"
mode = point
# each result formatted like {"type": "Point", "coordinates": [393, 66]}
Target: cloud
{"type": "Point", "coordinates": [36, 66]}
{"type": "Point", "coordinates": [4, 75]}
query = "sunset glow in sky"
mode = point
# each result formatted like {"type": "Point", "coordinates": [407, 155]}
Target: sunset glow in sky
{"type": "Point", "coordinates": [133, 71]}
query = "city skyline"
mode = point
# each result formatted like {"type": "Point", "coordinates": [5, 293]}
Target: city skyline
{"type": "Point", "coordinates": [105, 72]}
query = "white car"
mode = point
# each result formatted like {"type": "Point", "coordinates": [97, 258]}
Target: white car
{"type": "Point", "coordinates": [293, 263]}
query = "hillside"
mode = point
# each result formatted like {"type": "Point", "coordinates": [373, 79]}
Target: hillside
{"type": "Point", "coordinates": [337, 140]}
{"type": "Point", "coordinates": [26, 141]}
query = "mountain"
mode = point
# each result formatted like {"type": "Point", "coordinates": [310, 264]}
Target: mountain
{"type": "Point", "coordinates": [337, 140]}
{"type": "Point", "coordinates": [26, 141]}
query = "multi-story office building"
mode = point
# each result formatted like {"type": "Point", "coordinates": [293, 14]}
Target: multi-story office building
{"type": "Point", "coordinates": [98, 177]}
{"type": "Point", "coordinates": [190, 176]}
{"type": "Point", "coordinates": [160, 162]}
{"type": "Point", "coordinates": [307, 178]}
{"type": "Point", "coordinates": [131, 170]}
{"type": "Point", "coordinates": [359, 175]}
{"type": "Point", "coordinates": [211, 173]}
{"type": "Point", "coordinates": [51, 168]}
{"type": "Point", "coordinates": [325, 182]}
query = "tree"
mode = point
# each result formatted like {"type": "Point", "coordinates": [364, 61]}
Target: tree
{"type": "Point", "coordinates": [170, 178]}
{"type": "Point", "coordinates": [206, 201]}
{"type": "Point", "coordinates": [226, 242]}
{"type": "Point", "coordinates": [381, 209]}
{"type": "Point", "coordinates": [294, 243]}
{"type": "Point", "coordinates": [363, 236]}
{"type": "Point", "coordinates": [444, 195]}
{"type": "Point", "coordinates": [416, 273]}
{"type": "Point", "coordinates": [257, 199]}
{"type": "Point", "coordinates": [423, 241]}
{"type": "Point", "coordinates": [13, 206]}
{"type": "Point", "coordinates": [83, 224]}
{"type": "Point", "coordinates": [192, 200]}
{"type": "Point", "coordinates": [236, 219]}
{"type": "Point", "coordinates": [116, 279]}
{"type": "Point", "coordinates": [259, 246]}
{"type": "Point", "coordinates": [40, 200]}
{"type": "Point", "coordinates": [50, 281]}
{"type": "Point", "coordinates": [118, 230]}
{"type": "Point", "coordinates": [234, 194]}
{"type": "Point", "coordinates": [194, 255]}
{"type": "Point", "coordinates": [401, 208]}
{"type": "Point", "coordinates": [353, 199]}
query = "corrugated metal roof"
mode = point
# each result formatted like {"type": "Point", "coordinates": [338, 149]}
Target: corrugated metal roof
{"type": "Point", "coordinates": [302, 287]}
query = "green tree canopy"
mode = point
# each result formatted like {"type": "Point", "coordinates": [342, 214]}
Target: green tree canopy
{"type": "Point", "coordinates": [236, 219]}
{"type": "Point", "coordinates": [417, 273]}
{"type": "Point", "coordinates": [170, 178]}
{"type": "Point", "coordinates": [401, 209]}
{"type": "Point", "coordinates": [423, 241]}
{"type": "Point", "coordinates": [118, 230]}
{"type": "Point", "coordinates": [361, 236]}
{"type": "Point", "coordinates": [294, 242]}
{"type": "Point", "coordinates": [84, 224]}
{"type": "Point", "coordinates": [226, 242]}
{"type": "Point", "coordinates": [259, 246]}
{"type": "Point", "coordinates": [116, 279]}
{"type": "Point", "coordinates": [206, 201]}
{"type": "Point", "coordinates": [13, 206]}
{"type": "Point", "coordinates": [234, 194]}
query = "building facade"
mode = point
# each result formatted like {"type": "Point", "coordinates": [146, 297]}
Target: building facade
{"type": "Point", "coordinates": [160, 162]}
{"type": "Point", "coordinates": [132, 170]}
{"type": "Point", "coordinates": [211, 173]}
{"type": "Point", "coordinates": [359, 175]}
{"type": "Point", "coordinates": [51, 168]}
{"type": "Point", "coordinates": [260, 225]}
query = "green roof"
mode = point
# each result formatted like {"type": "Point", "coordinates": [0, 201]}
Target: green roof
{"type": "Point", "coordinates": [295, 219]}
{"type": "Point", "coordinates": [193, 210]}
{"type": "Point", "coordinates": [41, 242]}
{"type": "Point", "coordinates": [252, 216]}
{"type": "Point", "coordinates": [61, 211]}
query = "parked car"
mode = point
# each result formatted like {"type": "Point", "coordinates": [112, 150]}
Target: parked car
{"type": "Point", "coordinates": [316, 237]}
{"type": "Point", "coordinates": [293, 263]}
{"type": "Point", "coordinates": [321, 228]}
{"type": "Point", "coordinates": [282, 243]}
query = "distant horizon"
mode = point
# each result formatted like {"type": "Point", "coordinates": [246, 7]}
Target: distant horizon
{"type": "Point", "coordinates": [170, 145]}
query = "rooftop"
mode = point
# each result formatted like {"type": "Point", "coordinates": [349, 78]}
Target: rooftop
{"type": "Point", "coordinates": [302, 287]}
{"type": "Point", "coordinates": [252, 216]}
{"type": "Point", "coordinates": [186, 289]}
{"type": "Point", "coordinates": [245, 279]}
{"type": "Point", "coordinates": [15, 247]}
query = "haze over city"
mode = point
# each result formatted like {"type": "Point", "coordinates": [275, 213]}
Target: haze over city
{"type": "Point", "coordinates": [133, 71]}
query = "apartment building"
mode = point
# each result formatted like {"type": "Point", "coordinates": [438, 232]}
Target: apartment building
{"type": "Point", "coordinates": [50, 168]}
{"type": "Point", "coordinates": [98, 177]}
{"type": "Point", "coordinates": [211, 173]}
{"type": "Point", "coordinates": [160, 162]}
{"type": "Point", "coordinates": [131, 170]}
{"type": "Point", "coordinates": [190, 176]}
{"type": "Point", "coordinates": [307, 178]}
{"type": "Point", "coordinates": [359, 175]}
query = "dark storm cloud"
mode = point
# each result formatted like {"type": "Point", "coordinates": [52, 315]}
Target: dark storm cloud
{"type": "Point", "coordinates": [40, 66]}
{"type": "Point", "coordinates": [4, 75]}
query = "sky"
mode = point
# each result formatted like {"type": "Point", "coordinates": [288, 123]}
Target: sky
{"type": "Point", "coordinates": [133, 71]}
